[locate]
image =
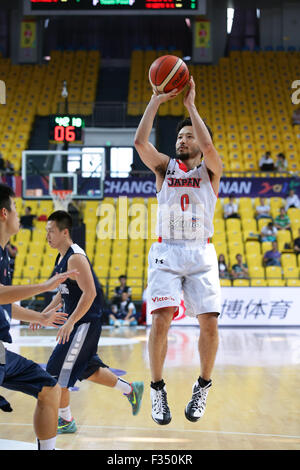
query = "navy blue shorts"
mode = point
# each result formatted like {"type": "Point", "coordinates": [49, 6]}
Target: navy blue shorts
{"type": "Point", "coordinates": [23, 375]}
{"type": "Point", "coordinates": [77, 359]}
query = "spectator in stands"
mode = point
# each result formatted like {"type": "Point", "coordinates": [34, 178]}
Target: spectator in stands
{"type": "Point", "coordinates": [263, 210]}
{"type": "Point", "coordinates": [266, 162]}
{"type": "Point", "coordinates": [240, 269]}
{"type": "Point", "coordinates": [223, 269]}
{"type": "Point", "coordinates": [26, 220]}
{"type": "Point", "coordinates": [281, 163]}
{"type": "Point", "coordinates": [282, 221]}
{"type": "Point", "coordinates": [272, 257]}
{"type": "Point", "coordinates": [292, 200]}
{"type": "Point", "coordinates": [297, 243]}
{"type": "Point", "coordinates": [9, 168]}
{"type": "Point", "coordinates": [268, 233]}
{"type": "Point", "coordinates": [122, 288]}
{"type": "Point", "coordinates": [124, 312]}
{"type": "Point", "coordinates": [231, 209]}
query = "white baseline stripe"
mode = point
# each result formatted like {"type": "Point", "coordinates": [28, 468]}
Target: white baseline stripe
{"type": "Point", "coordinates": [238, 433]}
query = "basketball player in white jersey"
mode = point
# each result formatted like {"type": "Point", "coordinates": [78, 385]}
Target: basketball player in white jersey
{"type": "Point", "coordinates": [183, 259]}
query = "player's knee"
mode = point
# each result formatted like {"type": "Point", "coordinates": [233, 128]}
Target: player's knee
{"type": "Point", "coordinates": [161, 319]}
{"type": "Point", "coordinates": [50, 395]}
{"type": "Point", "coordinates": [209, 325]}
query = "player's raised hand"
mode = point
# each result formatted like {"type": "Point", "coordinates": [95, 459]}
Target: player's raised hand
{"type": "Point", "coordinates": [189, 98]}
{"type": "Point", "coordinates": [57, 279]}
{"type": "Point", "coordinates": [163, 97]}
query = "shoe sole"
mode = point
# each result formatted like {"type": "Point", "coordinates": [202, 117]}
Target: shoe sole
{"type": "Point", "coordinates": [141, 391]}
{"type": "Point", "coordinates": [189, 418]}
{"type": "Point", "coordinates": [66, 432]}
{"type": "Point", "coordinates": [164, 423]}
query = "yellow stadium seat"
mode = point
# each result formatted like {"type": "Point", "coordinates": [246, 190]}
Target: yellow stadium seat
{"type": "Point", "coordinates": [220, 247]}
{"type": "Point", "coordinates": [225, 282]}
{"type": "Point", "coordinates": [273, 272]}
{"type": "Point", "coordinates": [276, 282]}
{"type": "Point", "coordinates": [261, 223]}
{"type": "Point", "coordinates": [24, 235]}
{"type": "Point", "coordinates": [241, 282]}
{"type": "Point", "coordinates": [283, 237]}
{"type": "Point", "coordinates": [291, 272]}
{"type": "Point", "coordinates": [293, 282]}
{"type": "Point", "coordinates": [101, 271]}
{"type": "Point", "coordinates": [266, 246]}
{"type": "Point", "coordinates": [288, 259]}
{"type": "Point", "coordinates": [253, 248]}
{"type": "Point", "coordinates": [256, 271]}
{"type": "Point", "coordinates": [233, 225]}
{"type": "Point", "coordinates": [294, 214]}
{"type": "Point", "coordinates": [219, 238]}
{"type": "Point", "coordinates": [219, 225]}
{"type": "Point", "coordinates": [258, 282]}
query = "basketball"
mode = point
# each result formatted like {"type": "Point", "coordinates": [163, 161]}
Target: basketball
{"type": "Point", "coordinates": [167, 73]}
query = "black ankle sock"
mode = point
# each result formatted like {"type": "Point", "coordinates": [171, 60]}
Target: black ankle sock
{"type": "Point", "coordinates": [158, 385]}
{"type": "Point", "coordinates": [203, 382]}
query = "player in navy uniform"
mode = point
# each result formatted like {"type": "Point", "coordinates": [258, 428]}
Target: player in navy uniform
{"type": "Point", "coordinates": [16, 372]}
{"type": "Point", "coordinates": [75, 356]}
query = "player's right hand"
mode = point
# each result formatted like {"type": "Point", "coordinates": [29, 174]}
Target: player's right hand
{"type": "Point", "coordinates": [57, 279]}
{"type": "Point", "coordinates": [163, 97]}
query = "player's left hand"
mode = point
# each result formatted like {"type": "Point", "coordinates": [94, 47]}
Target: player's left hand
{"type": "Point", "coordinates": [189, 98]}
{"type": "Point", "coordinates": [64, 332]}
{"type": "Point", "coordinates": [53, 317]}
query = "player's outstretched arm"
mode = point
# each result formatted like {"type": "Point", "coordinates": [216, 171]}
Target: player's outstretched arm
{"type": "Point", "coordinates": [150, 156]}
{"type": "Point", "coordinates": [210, 154]}
{"type": "Point", "coordinates": [51, 318]}
{"type": "Point", "coordinates": [54, 302]}
{"type": "Point", "coordinates": [10, 294]}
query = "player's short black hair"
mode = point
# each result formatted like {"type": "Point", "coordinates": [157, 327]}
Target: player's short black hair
{"type": "Point", "coordinates": [188, 122]}
{"type": "Point", "coordinates": [6, 192]}
{"type": "Point", "coordinates": [62, 219]}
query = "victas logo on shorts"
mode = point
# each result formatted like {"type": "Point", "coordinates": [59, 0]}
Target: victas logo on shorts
{"type": "Point", "coordinates": [162, 299]}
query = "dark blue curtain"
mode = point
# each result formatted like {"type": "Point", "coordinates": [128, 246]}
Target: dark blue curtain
{"type": "Point", "coordinates": [245, 30]}
{"type": "Point", "coordinates": [117, 36]}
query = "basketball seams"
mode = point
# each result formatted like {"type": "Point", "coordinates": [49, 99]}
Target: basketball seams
{"type": "Point", "coordinates": [171, 74]}
{"type": "Point", "coordinates": [184, 79]}
{"type": "Point", "coordinates": [156, 72]}
{"type": "Point", "coordinates": [170, 71]}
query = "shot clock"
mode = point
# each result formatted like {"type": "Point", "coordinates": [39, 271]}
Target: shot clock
{"type": "Point", "coordinates": [65, 128]}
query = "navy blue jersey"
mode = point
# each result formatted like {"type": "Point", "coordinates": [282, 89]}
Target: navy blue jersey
{"type": "Point", "coordinates": [71, 292]}
{"type": "Point", "coordinates": [5, 310]}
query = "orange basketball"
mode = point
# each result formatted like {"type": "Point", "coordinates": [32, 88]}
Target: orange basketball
{"type": "Point", "coordinates": [167, 73]}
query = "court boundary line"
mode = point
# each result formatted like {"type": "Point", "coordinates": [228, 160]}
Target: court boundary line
{"type": "Point", "coordinates": [202, 431]}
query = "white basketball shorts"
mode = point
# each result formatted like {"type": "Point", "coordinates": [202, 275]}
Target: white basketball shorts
{"type": "Point", "coordinates": [188, 267]}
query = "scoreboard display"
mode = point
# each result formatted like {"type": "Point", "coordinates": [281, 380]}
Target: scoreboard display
{"type": "Point", "coordinates": [66, 129]}
{"type": "Point", "coordinates": [74, 6]}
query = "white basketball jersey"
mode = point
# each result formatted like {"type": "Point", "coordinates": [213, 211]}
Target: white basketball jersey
{"type": "Point", "coordinates": [186, 203]}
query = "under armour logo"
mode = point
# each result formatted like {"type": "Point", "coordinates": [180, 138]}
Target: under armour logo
{"type": "Point", "coordinates": [169, 172]}
{"type": "Point", "coordinates": [159, 261]}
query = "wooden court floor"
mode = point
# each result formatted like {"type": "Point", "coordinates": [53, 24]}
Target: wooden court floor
{"type": "Point", "coordinates": [253, 404]}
